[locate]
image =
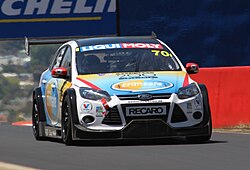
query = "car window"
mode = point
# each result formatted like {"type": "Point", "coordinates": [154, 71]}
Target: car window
{"type": "Point", "coordinates": [66, 61]}
{"type": "Point", "coordinates": [125, 60]}
{"type": "Point", "coordinates": [58, 58]}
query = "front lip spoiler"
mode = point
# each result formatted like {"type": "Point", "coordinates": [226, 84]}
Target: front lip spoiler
{"type": "Point", "coordinates": [140, 129]}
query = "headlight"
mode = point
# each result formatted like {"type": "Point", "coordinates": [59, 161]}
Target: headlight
{"type": "Point", "coordinates": [93, 94]}
{"type": "Point", "coordinates": [188, 91]}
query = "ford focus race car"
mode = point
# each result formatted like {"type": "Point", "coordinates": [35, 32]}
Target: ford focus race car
{"type": "Point", "coordinates": [119, 88]}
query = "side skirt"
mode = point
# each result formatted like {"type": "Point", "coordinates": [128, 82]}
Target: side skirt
{"type": "Point", "coordinates": [48, 131]}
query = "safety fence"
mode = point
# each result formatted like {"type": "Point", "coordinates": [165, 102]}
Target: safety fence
{"type": "Point", "coordinates": [229, 94]}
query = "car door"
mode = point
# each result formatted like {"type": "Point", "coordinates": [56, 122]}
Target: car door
{"type": "Point", "coordinates": [63, 84]}
{"type": "Point", "coordinates": [52, 95]}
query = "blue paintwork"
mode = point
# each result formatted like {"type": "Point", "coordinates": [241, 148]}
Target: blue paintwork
{"type": "Point", "coordinates": [45, 76]}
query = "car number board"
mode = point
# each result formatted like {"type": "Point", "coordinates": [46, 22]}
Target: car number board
{"type": "Point", "coordinates": [146, 110]}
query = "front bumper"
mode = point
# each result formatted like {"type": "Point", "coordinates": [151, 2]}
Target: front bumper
{"type": "Point", "coordinates": [142, 129]}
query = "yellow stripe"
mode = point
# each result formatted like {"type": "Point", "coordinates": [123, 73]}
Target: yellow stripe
{"type": "Point", "coordinates": [50, 19]}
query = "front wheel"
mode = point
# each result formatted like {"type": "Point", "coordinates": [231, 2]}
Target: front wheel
{"type": "Point", "coordinates": [67, 122]}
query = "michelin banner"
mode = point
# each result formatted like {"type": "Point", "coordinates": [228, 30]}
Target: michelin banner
{"type": "Point", "coordinates": [57, 18]}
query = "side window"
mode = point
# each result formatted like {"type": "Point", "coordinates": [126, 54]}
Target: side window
{"type": "Point", "coordinates": [58, 58]}
{"type": "Point", "coordinates": [66, 62]}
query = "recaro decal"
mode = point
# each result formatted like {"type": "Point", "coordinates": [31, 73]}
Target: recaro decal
{"type": "Point", "coordinates": [146, 110]}
{"type": "Point", "coordinates": [141, 85]}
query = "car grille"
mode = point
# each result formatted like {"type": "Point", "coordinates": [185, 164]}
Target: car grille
{"type": "Point", "coordinates": [113, 117]}
{"type": "Point", "coordinates": [178, 115]}
{"type": "Point", "coordinates": [135, 97]}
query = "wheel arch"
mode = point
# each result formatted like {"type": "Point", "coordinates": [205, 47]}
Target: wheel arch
{"type": "Point", "coordinates": [37, 96]}
{"type": "Point", "coordinates": [207, 121]}
{"type": "Point", "coordinates": [206, 103]}
{"type": "Point", "coordinates": [72, 96]}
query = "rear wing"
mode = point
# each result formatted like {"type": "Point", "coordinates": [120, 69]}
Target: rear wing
{"type": "Point", "coordinates": [29, 42]}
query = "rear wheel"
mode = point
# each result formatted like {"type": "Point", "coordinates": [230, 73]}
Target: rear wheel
{"type": "Point", "coordinates": [67, 122]}
{"type": "Point", "coordinates": [35, 121]}
{"type": "Point", "coordinates": [207, 113]}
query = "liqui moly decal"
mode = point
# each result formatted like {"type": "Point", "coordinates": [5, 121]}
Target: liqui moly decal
{"type": "Point", "coordinates": [141, 45]}
{"type": "Point", "coordinates": [121, 45]}
{"type": "Point", "coordinates": [141, 85]}
{"type": "Point", "coordinates": [100, 47]}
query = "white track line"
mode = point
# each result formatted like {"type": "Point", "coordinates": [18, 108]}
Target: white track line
{"type": "Point", "coordinates": [8, 166]}
{"type": "Point", "coordinates": [232, 131]}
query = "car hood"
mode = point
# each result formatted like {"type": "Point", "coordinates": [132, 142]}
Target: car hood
{"type": "Point", "coordinates": [136, 82]}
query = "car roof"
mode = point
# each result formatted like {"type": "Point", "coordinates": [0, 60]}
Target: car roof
{"type": "Point", "coordinates": [112, 40]}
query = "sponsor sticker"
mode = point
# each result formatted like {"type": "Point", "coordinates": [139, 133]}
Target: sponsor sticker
{"type": "Point", "coordinates": [100, 47]}
{"type": "Point", "coordinates": [162, 53]}
{"type": "Point", "coordinates": [119, 45]}
{"type": "Point", "coordinates": [141, 45]}
{"type": "Point", "coordinates": [189, 106]}
{"type": "Point", "coordinates": [100, 111]}
{"type": "Point", "coordinates": [146, 110]}
{"type": "Point", "coordinates": [141, 85]}
{"type": "Point", "coordinates": [197, 103]}
{"type": "Point", "coordinates": [147, 101]}
{"type": "Point", "coordinates": [136, 75]}
{"type": "Point", "coordinates": [86, 107]}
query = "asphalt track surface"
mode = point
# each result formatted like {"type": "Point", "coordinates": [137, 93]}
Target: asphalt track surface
{"type": "Point", "coordinates": [225, 151]}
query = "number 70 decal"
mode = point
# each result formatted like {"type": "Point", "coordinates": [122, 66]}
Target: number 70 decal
{"type": "Point", "coordinates": [163, 53]}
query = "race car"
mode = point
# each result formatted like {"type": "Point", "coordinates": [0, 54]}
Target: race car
{"type": "Point", "coordinates": [113, 88]}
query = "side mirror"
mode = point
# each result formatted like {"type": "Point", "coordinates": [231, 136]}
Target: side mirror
{"type": "Point", "coordinates": [192, 68]}
{"type": "Point", "coordinates": [59, 72]}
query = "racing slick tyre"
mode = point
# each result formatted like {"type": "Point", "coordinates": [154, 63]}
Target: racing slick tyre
{"type": "Point", "coordinates": [208, 117]}
{"type": "Point", "coordinates": [37, 115]}
{"type": "Point", "coordinates": [67, 122]}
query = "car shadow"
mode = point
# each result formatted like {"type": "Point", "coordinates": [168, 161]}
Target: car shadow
{"type": "Point", "coordinates": [141, 142]}
{"type": "Point", "coordinates": [135, 142]}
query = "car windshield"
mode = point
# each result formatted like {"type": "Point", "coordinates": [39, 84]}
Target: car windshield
{"type": "Point", "coordinates": [94, 61]}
